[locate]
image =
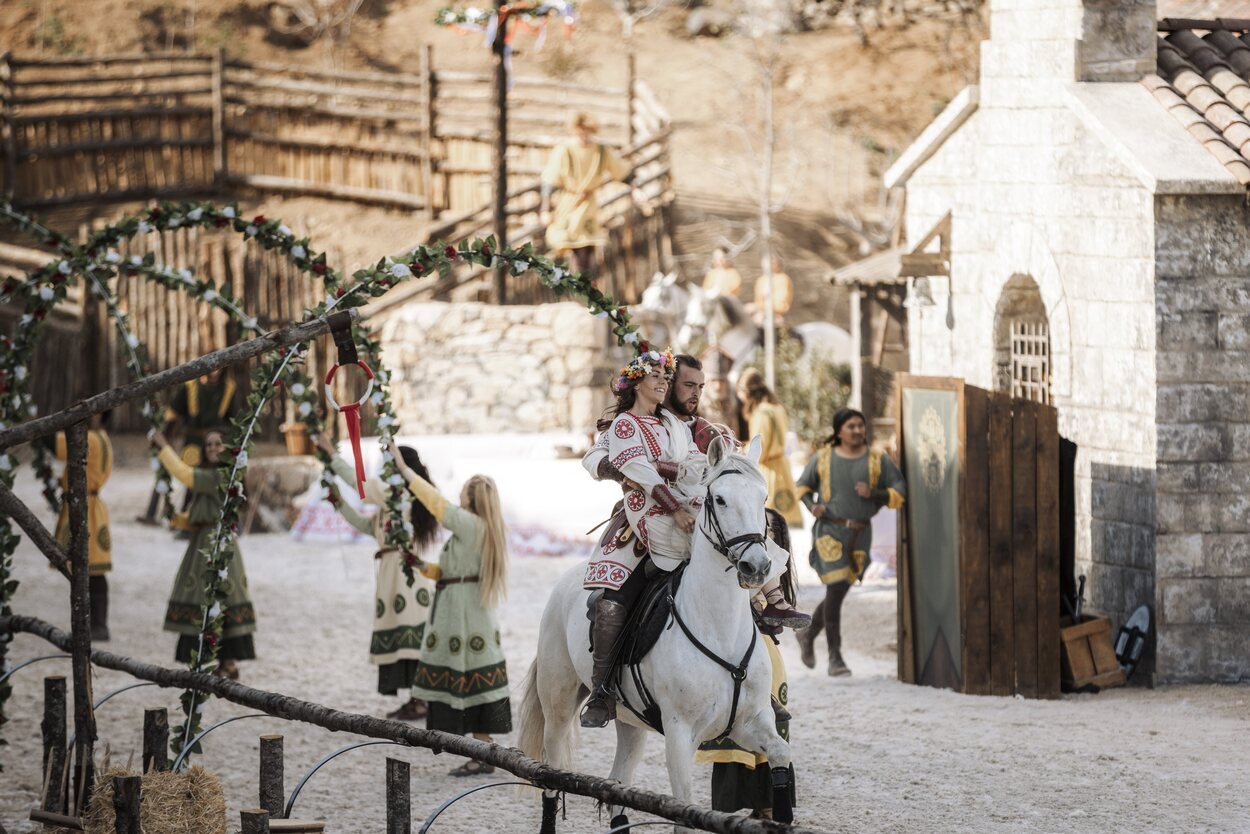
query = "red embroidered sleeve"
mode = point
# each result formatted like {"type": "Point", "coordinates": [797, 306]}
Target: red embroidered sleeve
{"type": "Point", "coordinates": [665, 500]}
{"type": "Point", "coordinates": [669, 470]}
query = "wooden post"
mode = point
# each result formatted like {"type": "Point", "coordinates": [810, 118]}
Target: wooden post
{"type": "Point", "coordinates": [126, 791]}
{"type": "Point", "coordinates": [500, 224]}
{"type": "Point", "coordinates": [8, 89]}
{"type": "Point", "coordinates": [272, 789]}
{"type": "Point", "coordinates": [427, 128]}
{"type": "Point", "coordinates": [857, 341]}
{"type": "Point", "coordinates": [219, 118]}
{"type": "Point", "coordinates": [631, 77]}
{"type": "Point", "coordinates": [80, 615]}
{"type": "Point", "coordinates": [254, 821]}
{"type": "Point", "coordinates": [398, 797]}
{"type": "Point", "coordinates": [155, 740]}
{"type": "Point", "coordinates": [867, 375]}
{"type": "Point", "coordinates": [53, 741]}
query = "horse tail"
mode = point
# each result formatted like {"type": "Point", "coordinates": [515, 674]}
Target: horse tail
{"type": "Point", "coordinates": [532, 723]}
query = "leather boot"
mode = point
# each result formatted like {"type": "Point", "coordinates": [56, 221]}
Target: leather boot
{"type": "Point", "coordinates": [807, 645]}
{"type": "Point", "coordinates": [610, 619]}
{"type": "Point", "coordinates": [98, 591]}
{"type": "Point", "coordinates": [837, 667]}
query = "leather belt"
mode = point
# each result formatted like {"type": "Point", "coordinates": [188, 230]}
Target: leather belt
{"type": "Point", "coordinates": [455, 580]}
{"type": "Point", "coordinates": [440, 584]}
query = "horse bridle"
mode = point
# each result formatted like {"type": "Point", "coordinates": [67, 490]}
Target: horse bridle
{"type": "Point", "coordinates": [719, 544]}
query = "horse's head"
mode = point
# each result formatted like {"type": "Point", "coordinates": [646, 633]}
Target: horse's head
{"type": "Point", "coordinates": [733, 511]}
{"type": "Point", "coordinates": [664, 296]}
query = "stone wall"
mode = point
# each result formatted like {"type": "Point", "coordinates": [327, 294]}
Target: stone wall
{"type": "Point", "coordinates": [1203, 411]}
{"type": "Point", "coordinates": [479, 368]}
{"type": "Point", "coordinates": [1034, 194]}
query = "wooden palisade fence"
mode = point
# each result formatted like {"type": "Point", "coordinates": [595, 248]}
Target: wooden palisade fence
{"type": "Point", "coordinates": [139, 126]}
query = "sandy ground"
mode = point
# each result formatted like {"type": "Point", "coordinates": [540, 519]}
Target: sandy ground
{"type": "Point", "coordinates": [871, 753]}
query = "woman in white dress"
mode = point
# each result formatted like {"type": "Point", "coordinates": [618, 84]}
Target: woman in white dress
{"type": "Point", "coordinates": [653, 450]}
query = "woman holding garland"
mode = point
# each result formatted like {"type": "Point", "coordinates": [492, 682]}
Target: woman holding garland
{"type": "Point", "coordinates": [185, 614]}
{"type": "Point", "coordinates": [462, 675]}
{"type": "Point", "coordinates": [654, 451]}
{"type": "Point", "coordinates": [399, 609]}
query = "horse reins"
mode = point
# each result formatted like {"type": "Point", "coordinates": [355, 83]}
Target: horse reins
{"type": "Point", "coordinates": [724, 548]}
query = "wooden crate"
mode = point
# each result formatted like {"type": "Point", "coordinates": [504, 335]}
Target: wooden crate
{"type": "Point", "coordinates": [978, 540]}
{"type": "Point", "coordinates": [1088, 657]}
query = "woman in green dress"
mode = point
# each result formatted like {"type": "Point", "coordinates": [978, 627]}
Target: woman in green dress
{"type": "Point", "coordinates": [185, 614]}
{"type": "Point", "coordinates": [843, 486]}
{"type": "Point", "coordinates": [462, 675]}
{"type": "Point", "coordinates": [400, 609]}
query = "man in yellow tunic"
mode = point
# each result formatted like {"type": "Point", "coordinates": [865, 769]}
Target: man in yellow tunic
{"type": "Point", "coordinates": [722, 277]}
{"type": "Point", "coordinates": [783, 294]}
{"type": "Point", "coordinates": [577, 168]}
{"type": "Point", "coordinates": [100, 541]}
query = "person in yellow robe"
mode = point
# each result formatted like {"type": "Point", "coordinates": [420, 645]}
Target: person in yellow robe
{"type": "Point", "coordinates": [783, 294]}
{"type": "Point", "coordinates": [577, 168]}
{"type": "Point", "coordinates": [766, 417]}
{"type": "Point", "coordinates": [722, 277]}
{"type": "Point", "coordinates": [100, 545]}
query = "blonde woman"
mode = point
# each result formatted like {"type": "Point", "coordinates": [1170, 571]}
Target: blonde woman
{"type": "Point", "coordinates": [766, 417]}
{"type": "Point", "coordinates": [462, 675]}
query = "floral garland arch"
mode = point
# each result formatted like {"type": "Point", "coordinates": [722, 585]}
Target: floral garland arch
{"type": "Point", "coordinates": [99, 261]}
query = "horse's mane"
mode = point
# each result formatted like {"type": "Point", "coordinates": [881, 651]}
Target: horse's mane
{"type": "Point", "coordinates": [732, 309]}
{"type": "Point", "coordinates": [733, 460]}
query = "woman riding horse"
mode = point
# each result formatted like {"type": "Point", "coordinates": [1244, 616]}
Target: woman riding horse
{"type": "Point", "coordinates": [655, 452]}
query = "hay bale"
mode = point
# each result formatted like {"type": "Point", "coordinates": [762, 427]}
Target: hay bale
{"type": "Point", "coordinates": [192, 802]}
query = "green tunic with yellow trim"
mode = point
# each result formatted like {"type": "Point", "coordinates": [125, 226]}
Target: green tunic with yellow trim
{"type": "Point", "coordinates": [840, 554]}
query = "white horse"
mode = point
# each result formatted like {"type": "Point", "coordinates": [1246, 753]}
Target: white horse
{"type": "Point", "coordinates": [659, 311]}
{"type": "Point", "coordinates": [699, 698]}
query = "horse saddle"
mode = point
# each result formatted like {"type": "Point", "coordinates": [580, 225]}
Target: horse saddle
{"type": "Point", "coordinates": [651, 614]}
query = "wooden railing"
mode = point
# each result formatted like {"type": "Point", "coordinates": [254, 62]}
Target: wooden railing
{"type": "Point", "coordinates": [639, 237]}
{"type": "Point", "coordinates": [136, 126]}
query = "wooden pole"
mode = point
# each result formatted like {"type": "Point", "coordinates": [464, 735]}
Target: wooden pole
{"type": "Point", "coordinates": [428, 84]}
{"type": "Point", "coordinates": [766, 232]}
{"type": "Point", "coordinates": [53, 741]}
{"type": "Point", "coordinates": [857, 341]}
{"type": "Point", "coordinates": [254, 821]}
{"type": "Point", "coordinates": [398, 797]}
{"type": "Point", "coordinates": [220, 170]}
{"type": "Point", "coordinates": [80, 615]}
{"type": "Point", "coordinates": [541, 774]}
{"type": "Point", "coordinates": [13, 507]}
{"type": "Point", "coordinates": [631, 76]}
{"type": "Point", "coordinates": [155, 740]}
{"type": "Point", "coordinates": [8, 90]}
{"type": "Point", "coordinates": [499, 49]}
{"type": "Point", "coordinates": [272, 789]}
{"type": "Point", "coordinates": [126, 790]}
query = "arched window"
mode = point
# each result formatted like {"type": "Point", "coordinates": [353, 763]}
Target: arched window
{"type": "Point", "coordinates": [1022, 341]}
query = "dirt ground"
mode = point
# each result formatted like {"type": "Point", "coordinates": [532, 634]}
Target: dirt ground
{"type": "Point", "coordinates": [871, 753]}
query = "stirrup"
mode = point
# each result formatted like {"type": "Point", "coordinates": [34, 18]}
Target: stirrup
{"type": "Point", "coordinates": [599, 701]}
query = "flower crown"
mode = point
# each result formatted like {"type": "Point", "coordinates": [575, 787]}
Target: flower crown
{"type": "Point", "coordinates": [642, 365]}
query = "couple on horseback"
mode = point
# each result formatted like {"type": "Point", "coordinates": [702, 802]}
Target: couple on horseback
{"type": "Point", "coordinates": [655, 445]}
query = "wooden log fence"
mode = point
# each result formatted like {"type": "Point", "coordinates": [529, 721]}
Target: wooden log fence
{"type": "Point", "coordinates": [286, 707]}
{"type": "Point", "coordinates": [130, 126]}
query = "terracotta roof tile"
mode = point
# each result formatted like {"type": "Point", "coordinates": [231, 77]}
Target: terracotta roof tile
{"type": "Point", "coordinates": [1204, 82]}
